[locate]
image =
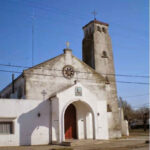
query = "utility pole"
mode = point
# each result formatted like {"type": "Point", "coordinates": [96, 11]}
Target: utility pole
{"type": "Point", "coordinates": [33, 22]}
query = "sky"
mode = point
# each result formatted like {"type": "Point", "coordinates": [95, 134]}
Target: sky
{"type": "Point", "coordinates": [58, 21]}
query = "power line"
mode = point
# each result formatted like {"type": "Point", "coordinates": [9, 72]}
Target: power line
{"type": "Point", "coordinates": [33, 22]}
{"type": "Point", "coordinates": [136, 95]}
{"type": "Point", "coordinates": [58, 20]}
{"type": "Point", "coordinates": [121, 75]}
{"type": "Point", "coordinates": [64, 12]}
{"type": "Point", "coordinates": [16, 66]}
{"type": "Point", "coordinates": [147, 106]}
{"type": "Point", "coordinates": [142, 105]}
{"type": "Point", "coordinates": [133, 82]}
{"type": "Point", "coordinates": [126, 82]}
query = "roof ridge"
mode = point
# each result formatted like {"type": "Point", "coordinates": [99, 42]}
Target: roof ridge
{"type": "Point", "coordinates": [44, 62]}
{"type": "Point", "coordinates": [96, 21]}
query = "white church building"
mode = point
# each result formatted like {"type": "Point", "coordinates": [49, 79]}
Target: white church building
{"type": "Point", "coordinates": [65, 98]}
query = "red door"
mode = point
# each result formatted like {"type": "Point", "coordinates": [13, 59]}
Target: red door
{"type": "Point", "coordinates": [70, 122]}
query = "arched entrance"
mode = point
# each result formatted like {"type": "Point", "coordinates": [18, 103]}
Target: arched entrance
{"type": "Point", "coordinates": [78, 121]}
{"type": "Point", "coordinates": [70, 122]}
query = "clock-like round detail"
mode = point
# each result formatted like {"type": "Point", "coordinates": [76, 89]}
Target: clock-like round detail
{"type": "Point", "coordinates": [68, 71]}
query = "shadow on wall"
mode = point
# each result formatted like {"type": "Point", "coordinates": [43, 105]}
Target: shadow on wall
{"type": "Point", "coordinates": [32, 121]}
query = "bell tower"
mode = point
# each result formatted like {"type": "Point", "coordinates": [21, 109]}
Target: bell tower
{"type": "Point", "coordinates": [97, 48]}
{"type": "Point", "coordinates": [97, 53]}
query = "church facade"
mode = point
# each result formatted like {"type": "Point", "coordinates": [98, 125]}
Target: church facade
{"type": "Point", "coordinates": [65, 98]}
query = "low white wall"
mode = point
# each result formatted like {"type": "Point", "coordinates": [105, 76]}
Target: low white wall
{"type": "Point", "coordinates": [125, 128]}
{"type": "Point", "coordinates": [29, 128]}
{"type": "Point", "coordinates": [124, 123]}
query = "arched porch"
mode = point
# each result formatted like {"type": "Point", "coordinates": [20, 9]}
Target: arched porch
{"type": "Point", "coordinates": [80, 124]}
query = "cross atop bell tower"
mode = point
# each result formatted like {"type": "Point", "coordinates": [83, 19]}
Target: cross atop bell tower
{"type": "Point", "coordinates": [94, 13]}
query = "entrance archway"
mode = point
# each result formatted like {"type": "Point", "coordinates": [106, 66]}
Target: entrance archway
{"type": "Point", "coordinates": [70, 122]}
{"type": "Point", "coordinates": [79, 121]}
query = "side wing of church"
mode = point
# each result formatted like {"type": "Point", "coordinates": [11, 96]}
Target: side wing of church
{"type": "Point", "coordinates": [65, 98]}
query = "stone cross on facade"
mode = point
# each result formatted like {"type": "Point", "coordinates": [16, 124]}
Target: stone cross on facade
{"type": "Point", "coordinates": [43, 93]}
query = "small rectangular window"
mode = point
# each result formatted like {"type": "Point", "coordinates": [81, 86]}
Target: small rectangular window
{"type": "Point", "coordinates": [78, 91]}
{"type": "Point", "coordinates": [6, 127]}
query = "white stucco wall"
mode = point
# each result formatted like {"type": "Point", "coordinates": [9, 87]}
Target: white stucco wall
{"type": "Point", "coordinates": [90, 104]}
{"type": "Point", "coordinates": [124, 123]}
{"type": "Point", "coordinates": [19, 85]}
{"type": "Point", "coordinates": [29, 129]}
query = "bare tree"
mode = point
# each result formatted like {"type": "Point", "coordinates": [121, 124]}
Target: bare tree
{"type": "Point", "coordinates": [141, 114]}
{"type": "Point", "coordinates": [127, 109]}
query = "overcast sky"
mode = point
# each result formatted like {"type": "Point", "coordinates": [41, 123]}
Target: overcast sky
{"type": "Point", "coordinates": [58, 21]}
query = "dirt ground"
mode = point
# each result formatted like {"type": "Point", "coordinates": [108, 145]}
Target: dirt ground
{"type": "Point", "coordinates": [136, 141]}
